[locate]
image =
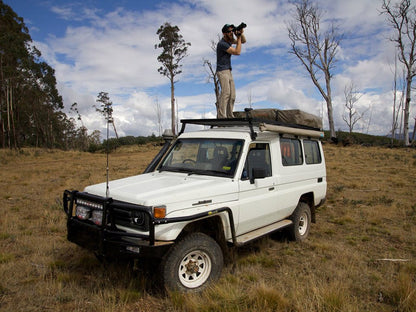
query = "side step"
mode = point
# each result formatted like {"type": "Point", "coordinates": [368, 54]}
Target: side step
{"type": "Point", "coordinates": [247, 237]}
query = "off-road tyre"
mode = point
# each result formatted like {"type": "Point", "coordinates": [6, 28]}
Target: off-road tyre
{"type": "Point", "coordinates": [301, 218]}
{"type": "Point", "coordinates": [192, 264]}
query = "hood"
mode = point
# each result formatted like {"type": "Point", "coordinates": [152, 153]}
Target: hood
{"type": "Point", "coordinates": [170, 189]}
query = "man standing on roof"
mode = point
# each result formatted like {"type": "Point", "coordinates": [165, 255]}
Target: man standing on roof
{"type": "Point", "coordinates": [225, 49]}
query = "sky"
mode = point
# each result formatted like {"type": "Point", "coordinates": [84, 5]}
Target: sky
{"type": "Point", "coordinates": [109, 46]}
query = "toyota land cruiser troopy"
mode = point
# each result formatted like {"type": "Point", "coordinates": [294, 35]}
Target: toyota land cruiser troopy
{"type": "Point", "coordinates": [205, 191]}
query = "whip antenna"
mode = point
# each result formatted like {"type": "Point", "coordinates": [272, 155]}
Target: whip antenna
{"type": "Point", "coordinates": [107, 189]}
{"type": "Point", "coordinates": [107, 111]}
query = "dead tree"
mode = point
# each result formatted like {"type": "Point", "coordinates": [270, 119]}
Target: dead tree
{"type": "Point", "coordinates": [351, 98]}
{"type": "Point", "coordinates": [397, 102]}
{"type": "Point", "coordinates": [402, 18]}
{"type": "Point", "coordinates": [316, 49]}
{"type": "Point", "coordinates": [212, 73]}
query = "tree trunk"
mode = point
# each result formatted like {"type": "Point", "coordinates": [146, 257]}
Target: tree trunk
{"type": "Point", "coordinates": [329, 104]}
{"type": "Point", "coordinates": [406, 110]}
{"type": "Point", "coordinates": [331, 119]}
{"type": "Point", "coordinates": [114, 127]}
{"type": "Point", "coordinates": [172, 106]}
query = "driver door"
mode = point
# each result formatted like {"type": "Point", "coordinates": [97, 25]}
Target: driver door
{"type": "Point", "coordinates": [258, 190]}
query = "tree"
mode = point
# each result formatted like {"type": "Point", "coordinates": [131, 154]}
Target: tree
{"type": "Point", "coordinates": [81, 133]}
{"type": "Point", "coordinates": [397, 103]}
{"type": "Point", "coordinates": [212, 73]}
{"type": "Point", "coordinates": [30, 105]}
{"type": "Point", "coordinates": [402, 18]}
{"type": "Point", "coordinates": [174, 49]}
{"type": "Point", "coordinates": [158, 110]}
{"type": "Point", "coordinates": [315, 49]}
{"type": "Point", "coordinates": [352, 115]}
{"type": "Point", "coordinates": [106, 109]}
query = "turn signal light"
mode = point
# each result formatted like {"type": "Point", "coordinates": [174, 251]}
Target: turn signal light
{"type": "Point", "coordinates": [159, 212]}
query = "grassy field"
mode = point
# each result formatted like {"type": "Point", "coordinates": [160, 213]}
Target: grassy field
{"type": "Point", "coordinates": [360, 256]}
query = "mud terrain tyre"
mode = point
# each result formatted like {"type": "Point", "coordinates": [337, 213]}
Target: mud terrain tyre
{"type": "Point", "coordinates": [301, 218]}
{"type": "Point", "coordinates": [192, 264]}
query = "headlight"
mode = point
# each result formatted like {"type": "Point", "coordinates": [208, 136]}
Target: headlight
{"type": "Point", "coordinates": [97, 217]}
{"type": "Point", "coordinates": [87, 210]}
{"type": "Point", "coordinates": [138, 218]}
{"type": "Point", "coordinates": [83, 213]}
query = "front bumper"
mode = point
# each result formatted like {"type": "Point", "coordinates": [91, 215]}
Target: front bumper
{"type": "Point", "coordinates": [106, 239]}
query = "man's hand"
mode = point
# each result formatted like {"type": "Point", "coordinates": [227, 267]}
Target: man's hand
{"type": "Point", "coordinates": [239, 33]}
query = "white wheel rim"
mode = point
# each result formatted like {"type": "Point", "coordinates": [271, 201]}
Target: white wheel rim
{"type": "Point", "coordinates": [303, 224]}
{"type": "Point", "coordinates": [194, 269]}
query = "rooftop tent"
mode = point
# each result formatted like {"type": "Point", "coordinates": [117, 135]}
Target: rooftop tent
{"type": "Point", "coordinates": [290, 116]}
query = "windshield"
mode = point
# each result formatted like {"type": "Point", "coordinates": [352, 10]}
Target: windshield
{"type": "Point", "coordinates": [204, 156]}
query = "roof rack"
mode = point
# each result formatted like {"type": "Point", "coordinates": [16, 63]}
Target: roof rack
{"type": "Point", "coordinates": [262, 124]}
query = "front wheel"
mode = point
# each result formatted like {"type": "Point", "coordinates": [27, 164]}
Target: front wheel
{"type": "Point", "coordinates": [301, 218]}
{"type": "Point", "coordinates": [192, 263]}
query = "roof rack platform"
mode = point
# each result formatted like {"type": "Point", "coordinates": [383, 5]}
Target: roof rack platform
{"type": "Point", "coordinates": [262, 124]}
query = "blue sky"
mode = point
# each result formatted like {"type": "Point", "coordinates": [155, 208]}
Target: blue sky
{"type": "Point", "coordinates": [108, 46]}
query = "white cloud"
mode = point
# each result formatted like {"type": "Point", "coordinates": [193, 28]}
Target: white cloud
{"type": "Point", "coordinates": [114, 52]}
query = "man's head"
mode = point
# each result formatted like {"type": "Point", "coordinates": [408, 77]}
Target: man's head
{"type": "Point", "coordinates": [227, 31]}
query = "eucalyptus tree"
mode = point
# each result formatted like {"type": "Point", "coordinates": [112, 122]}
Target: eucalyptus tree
{"type": "Point", "coordinates": [30, 104]}
{"type": "Point", "coordinates": [106, 109]}
{"type": "Point", "coordinates": [174, 49]}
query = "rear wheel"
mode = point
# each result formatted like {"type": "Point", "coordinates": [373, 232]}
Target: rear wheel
{"type": "Point", "coordinates": [301, 218]}
{"type": "Point", "coordinates": [192, 263]}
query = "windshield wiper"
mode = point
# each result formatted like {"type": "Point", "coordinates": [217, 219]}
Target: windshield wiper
{"type": "Point", "coordinates": [176, 169]}
{"type": "Point", "coordinates": [215, 173]}
{"type": "Point", "coordinates": [191, 171]}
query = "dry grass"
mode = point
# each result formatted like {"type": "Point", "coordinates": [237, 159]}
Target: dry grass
{"type": "Point", "coordinates": [370, 215]}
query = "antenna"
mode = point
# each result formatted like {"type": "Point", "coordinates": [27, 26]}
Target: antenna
{"type": "Point", "coordinates": [107, 190]}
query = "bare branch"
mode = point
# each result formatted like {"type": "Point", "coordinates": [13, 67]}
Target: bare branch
{"type": "Point", "coordinates": [402, 18]}
{"type": "Point", "coordinates": [315, 48]}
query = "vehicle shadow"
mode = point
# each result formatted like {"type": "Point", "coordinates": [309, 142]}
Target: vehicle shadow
{"type": "Point", "coordinates": [90, 272]}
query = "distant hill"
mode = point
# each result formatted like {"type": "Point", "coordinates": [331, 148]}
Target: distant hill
{"type": "Point", "coordinates": [346, 138]}
{"type": "Point", "coordinates": [400, 137]}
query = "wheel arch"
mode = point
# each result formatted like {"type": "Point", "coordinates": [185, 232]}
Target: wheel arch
{"type": "Point", "coordinates": [309, 199]}
{"type": "Point", "coordinates": [212, 226]}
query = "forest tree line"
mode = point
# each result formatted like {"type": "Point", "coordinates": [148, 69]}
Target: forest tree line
{"type": "Point", "coordinates": [31, 109]}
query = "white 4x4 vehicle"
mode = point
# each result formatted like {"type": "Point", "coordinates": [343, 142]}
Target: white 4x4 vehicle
{"type": "Point", "coordinates": [205, 191]}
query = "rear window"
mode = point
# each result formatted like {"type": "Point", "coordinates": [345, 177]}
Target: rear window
{"type": "Point", "coordinates": [291, 152]}
{"type": "Point", "coordinates": [312, 152]}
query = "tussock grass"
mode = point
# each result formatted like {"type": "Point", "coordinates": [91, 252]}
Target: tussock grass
{"type": "Point", "coordinates": [349, 263]}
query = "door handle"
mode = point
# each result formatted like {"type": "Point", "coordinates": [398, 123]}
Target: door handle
{"type": "Point", "coordinates": [271, 188]}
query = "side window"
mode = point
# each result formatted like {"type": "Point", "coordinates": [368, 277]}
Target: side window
{"type": "Point", "coordinates": [312, 152]}
{"type": "Point", "coordinates": [291, 152]}
{"type": "Point", "coordinates": [258, 163]}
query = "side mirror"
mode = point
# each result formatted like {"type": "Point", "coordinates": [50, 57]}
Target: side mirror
{"type": "Point", "coordinates": [257, 173]}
